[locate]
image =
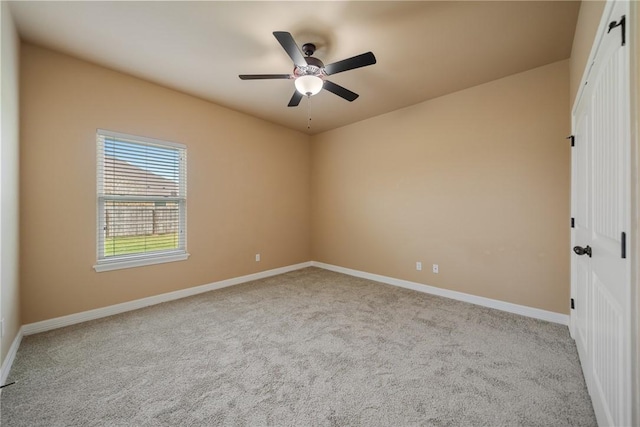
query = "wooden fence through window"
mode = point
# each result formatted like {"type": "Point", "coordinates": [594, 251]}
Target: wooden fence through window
{"type": "Point", "coordinates": [141, 219]}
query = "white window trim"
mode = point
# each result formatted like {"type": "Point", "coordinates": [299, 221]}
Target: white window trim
{"type": "Point", "coordinates": [132, 261]}
{"type": "Point", "coordinates": [141, 262]}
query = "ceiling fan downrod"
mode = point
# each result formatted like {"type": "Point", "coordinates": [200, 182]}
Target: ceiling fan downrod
{"type": "Point", "coordinates": [308, 49]}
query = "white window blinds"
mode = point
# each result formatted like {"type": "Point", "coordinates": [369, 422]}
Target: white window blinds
{"type": "Point", "coordinates": [142, 198]}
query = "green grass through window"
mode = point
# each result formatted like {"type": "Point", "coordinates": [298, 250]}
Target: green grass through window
{"type": "Point", "coordinates": [126, 245]}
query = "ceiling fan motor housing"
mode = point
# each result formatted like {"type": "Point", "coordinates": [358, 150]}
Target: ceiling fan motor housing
{"type": "Point", "coordinates": [314, 67]}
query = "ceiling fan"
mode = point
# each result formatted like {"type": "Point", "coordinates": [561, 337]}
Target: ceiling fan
{"type": "Point", "coordinates": [310, 73]}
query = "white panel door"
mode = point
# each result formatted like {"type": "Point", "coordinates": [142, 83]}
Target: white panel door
{"type": "Point", "coordinates": [581, 188]}
{"type": "Point", "coordinates": [602, 294]}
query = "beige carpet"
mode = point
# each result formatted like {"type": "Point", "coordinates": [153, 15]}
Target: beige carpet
{"type": "Point", "coordinates": [307, 348]}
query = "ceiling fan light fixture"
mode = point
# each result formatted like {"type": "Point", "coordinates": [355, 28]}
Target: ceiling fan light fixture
{"type": "Point", "coordinates": [308, 84]}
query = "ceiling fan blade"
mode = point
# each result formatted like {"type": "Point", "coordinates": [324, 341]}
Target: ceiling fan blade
{"type": "Point", "coordinates": [349, 64]}
{"type": "Point", "coordinates": [340, 91]}
{"type": "Point", "coordinates": [264, 76]}
{"type": "Point", "coordinates": [290, 46]}
{"type": "Point", "coordinates": [295, 99]}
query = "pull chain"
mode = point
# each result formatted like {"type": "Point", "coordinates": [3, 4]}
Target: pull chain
{"type": "Point", "coordinates": [308, 110]}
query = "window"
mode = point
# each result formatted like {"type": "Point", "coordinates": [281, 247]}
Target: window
{"type": "Point", "coordinates": [142, 201]}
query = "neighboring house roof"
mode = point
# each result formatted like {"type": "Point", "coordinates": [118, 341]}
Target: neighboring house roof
{"type": "Point", "coordinates": [123, 178]}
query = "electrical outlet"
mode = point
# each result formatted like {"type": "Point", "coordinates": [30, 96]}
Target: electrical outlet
{"type": "Point", "coordinates": [435, 268]}
{"type": "Point", "coordinates": [257, 257]}
{"type": "Point", "coordinates": [418, 266]}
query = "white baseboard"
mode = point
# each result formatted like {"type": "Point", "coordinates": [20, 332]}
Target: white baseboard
{"type": "Point", "coordinates": [72, 319]}
{"type": "Point", "coordinates": [11, 355]}
{"type": "Point", "coordinates": [523, 310]}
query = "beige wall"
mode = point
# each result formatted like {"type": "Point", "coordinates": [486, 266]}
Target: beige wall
{"type": "Point", "coordinates": [586, 28]}
{"type": "Point", "coordinates": [9, 184]}
{"type": "Point", "coordinates": [476, 181]}
{"type": "Point", "coordinates": [248, 186]}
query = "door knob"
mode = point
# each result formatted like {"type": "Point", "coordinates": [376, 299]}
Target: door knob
{"type": "Point", "coordinates": [579, 250]}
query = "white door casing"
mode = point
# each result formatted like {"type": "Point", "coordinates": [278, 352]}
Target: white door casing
{"type": "Point", "coordinates": [601, 321]}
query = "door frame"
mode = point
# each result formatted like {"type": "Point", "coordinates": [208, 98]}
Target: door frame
{"type": "Point", "coordinates": [634, 241]}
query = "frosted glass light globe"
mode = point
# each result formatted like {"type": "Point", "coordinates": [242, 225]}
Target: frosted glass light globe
{"type": "Point", "coordinates": [308, 85]}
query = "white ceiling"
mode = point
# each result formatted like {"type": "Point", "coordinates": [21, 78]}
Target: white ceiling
{"type": "Point", "coordinates": [424, 49]}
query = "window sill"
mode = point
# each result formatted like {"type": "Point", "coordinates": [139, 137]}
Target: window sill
{"type": "Point", "coordinates": [132, 263]}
